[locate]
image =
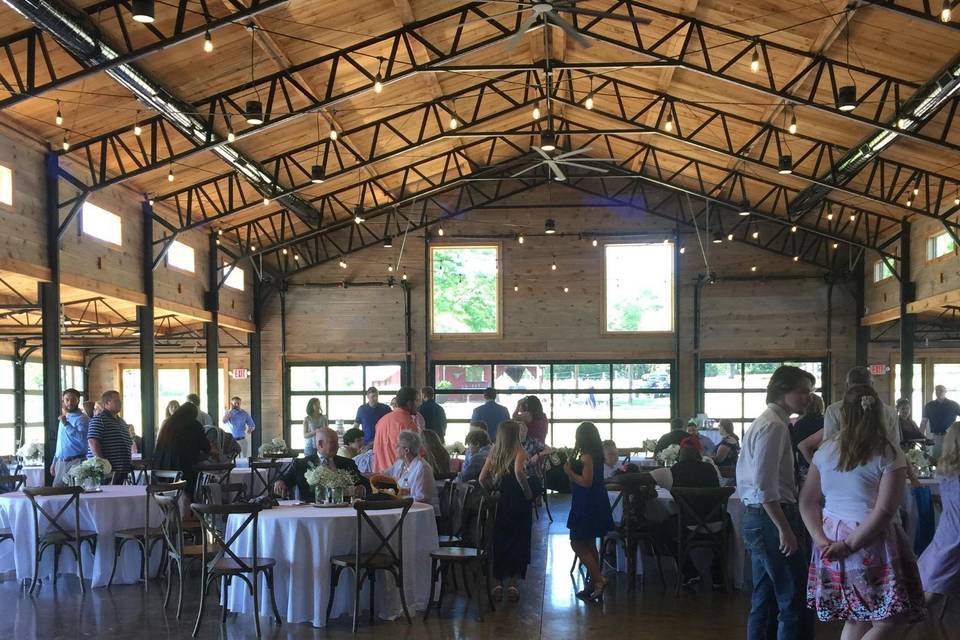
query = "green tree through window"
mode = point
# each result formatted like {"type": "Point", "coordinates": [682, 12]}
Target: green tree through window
{"type": "Point", "coordinates": [464, 289]}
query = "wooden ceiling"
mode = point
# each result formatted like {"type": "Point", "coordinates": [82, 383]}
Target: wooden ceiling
{"type": "Point", "coordinates": [313, 65]}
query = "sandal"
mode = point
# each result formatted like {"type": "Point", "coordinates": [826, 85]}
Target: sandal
{"type": "Point", "coordinates": [513, 594]}
{"type": "Point", "coordinates": [498, 593]}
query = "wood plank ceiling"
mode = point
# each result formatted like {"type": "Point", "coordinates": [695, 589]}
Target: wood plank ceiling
{"type": "Point", "coordinates": [674, 100]}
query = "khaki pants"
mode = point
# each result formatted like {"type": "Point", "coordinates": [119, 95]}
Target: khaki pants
{"type": "Point", "coordinates": [60, 469]}
{"type": "Point", "coordinates": [244, 447]}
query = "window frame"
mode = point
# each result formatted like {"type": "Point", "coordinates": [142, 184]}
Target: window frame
{"type": "Point", "coordinates": [931, 247]}
{"type": "Point", "coordinates": [88, 234]}
{"type": "Point", "coordinates": [498, 248]}
{"type": "Point", "coordinates": [604, 330]}
{"type": "Point", "coordinates": [6, 177]}
{"type": "Point", "coordinates": [552, 391]}
{"type": "Point", "coordinates": [227, 276]}
{"type": "Point", "coordinates": [193, 258]}
{"type": "Point", "coordinates": [881, 269]}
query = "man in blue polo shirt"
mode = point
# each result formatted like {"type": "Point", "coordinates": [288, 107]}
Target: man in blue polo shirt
{"type": "Point", "coordinates": [71, 437]}
{"type": "Point", "coordinates": [490, 412]}
{"type": "Point", "coordinates": [241, 425]}
{"type": "Point", "coordinates": [938, 415]}
{"type": "Point", "coordinates": [368, 414]}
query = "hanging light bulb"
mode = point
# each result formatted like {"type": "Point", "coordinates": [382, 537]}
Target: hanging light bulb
{"type": "Point", "coordinates": [296, 257]}
{"type": "Point", "coordinates": [853, 217]}
{"type": "Point", "coordinates": [170, 174]}
{"type": "Point", "coordinates": [755, 234]}
{"type": "Point", "coordinates": [668, 125]}
{"type": "Point", "coordinates": [284, 251]}
{"type": "Point", "coordinates": [253, 247]}
{"type": "Point", "coordinates": [793, 122]}
{"type": "Point", "coordinates": [231, 136]}
{"type": "Point", "coordinates": [218, 242]}
{"type": "Point", "coordinates": [588, 103]}
{"type": "Point", "coordinates": [796, 258]}
{"type": "Point", "coordinates": [516, 287]}
{"type": "Point", "coordinates": [440, 231]}
{"type": "Point", "coordinates": [553, 265]}
{"type": "Point", "coordinates": [755, 60]}
{"type": "Point", "coordinates": [59, 118]}
{"type": "Point", "coordinates": [909, 202]}
{"type": "Point", "coordinates": [219, 232]}
{"type": "Point", "coordinates": [536, 111]}
{"type": "Point", "coordinates": [207, 42]}
{"type": "Point", "coordinates": [566, 289]}
{"type": "Point", "coordinates": [945, 12]}
{"type": "Point", "coordinates": [333, 134]}
{"type": "Point", "coordinates": [594, 242]}
{"type": "Point", "coordinates": [683, 249]}
{"type": "Point", "coordinates": [389, 268]}
{"type": "Point", "coordinates": [835, 245]}
{"type": "Point", "coordinates": [266, 201]}
{"type": "Point", "coordinates": [342, 264]}
{"type": "Point", "coordinates": [520, 238]}
{"type": "Point", "coordinates": [793, 229]}
{"type": "Point", "coordinates": [454, 123]}
{"type": "Point", "coordinates": [916, 191]}
{"type": "Point", "coordinates": [358, 215]}
{"type": "Point", "coordinates": [378, 80]}
{"type": "Point", "coordinates": [404, 276]}
{"type": "Point", "coordinates": [137, 130]}
{"type": "Point", "coordinates": [65, 145]}
{"type": "Point", "coordinates": [753, 268]}
{"type": "Point", "coordinates": [956, 201]}
{"type": "Point", "coordinates": [830, 216]}
{"type": "Point", "coordinates": [730, 237]}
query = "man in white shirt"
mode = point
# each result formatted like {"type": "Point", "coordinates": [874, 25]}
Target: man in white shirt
{"type": "Point", "coordinates": [771, 521]}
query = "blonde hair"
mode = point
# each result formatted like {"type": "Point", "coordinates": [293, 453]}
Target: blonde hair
{"type": "Point", "coordinates": [949, 462]}
{"type": "Point", "coordinates": [814, 406]}
{"type": "Point", "coordinates": [504, 449]}
{"type": "Point", "coordinates": [862, 434]}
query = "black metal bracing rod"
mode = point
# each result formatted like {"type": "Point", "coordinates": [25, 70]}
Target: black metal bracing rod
{"type": "Point", "coordinates": [343, 74]}
{"type": "Point", "coordinates": [32, 70]}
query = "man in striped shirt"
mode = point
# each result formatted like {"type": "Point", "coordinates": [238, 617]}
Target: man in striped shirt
{"type": "Point", "coordinates": [108, 436]}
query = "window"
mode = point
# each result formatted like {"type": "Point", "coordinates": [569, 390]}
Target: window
{"type": "Point", "coordinates": [916, 398]}
{"type": "Point", "coordinates": [180, 256]}
{"type": "Point", "coordinates": [738, 390]}
{"type": "Point", "coordinates": [341, 389]}
{"type": "Point", "coordinates": [465, 292]}
{"type": "Point", "coordinates": [948, 375]}
{"type": "Point", "coordinates": [100, 223]}
{"type": "Point", "coordinates": [8, 440]}
{"type": "Point", "coordinates": [633, 304]}
{"type": "Point", "coordinates": [939, 245]}
{"type": "Point", "coordinates": [173, 382]}
{"type": "Point", "coordinates": [6, 185]}
{"type": "Point", "coordinates": [881, 271]}
{"type": "Point", "coordinates": [234, 278]}
{"type": "Point", "coordinates": [628, 401]}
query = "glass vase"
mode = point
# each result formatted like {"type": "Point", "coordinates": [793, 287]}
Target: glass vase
{"type": "Point", "coordinates": [91, 483]}
{"type": "Point", "coordinates": [334, 495]}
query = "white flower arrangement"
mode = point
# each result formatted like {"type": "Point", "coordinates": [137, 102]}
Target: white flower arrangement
{"type": "Point", "coordinates": [918, 459]}
{"type": "Point", "coordinates": [328, 478]}
{"type": "Point", "coordinates": [90, 469]}
{"type": "Point", "coordinates": [456, 449]}
{"type": "Point", "coordinates": [649, 445]}
{"type": "Point", "coordinates": [668, 457]}
{"type": "Point", "coordinates": [276, 447]}
{"type": "Point", "coordinates": [31, 452]}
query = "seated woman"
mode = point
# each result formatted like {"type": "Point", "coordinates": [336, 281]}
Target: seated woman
{"type": "Point", "coordinates": [690, 471]}
{"type": "Point", "coordinates": [478, 445]}
{"type": "Point", "coordinates": [439, 458]}
{"type": "Point", "coordinates": [728, 449]}
{"type": "Point", "coordinates": [352, 443]}
{"type": "Point", "coordinates": [181, 444]}
{"type": "Point", "coordinates": [412, 473]}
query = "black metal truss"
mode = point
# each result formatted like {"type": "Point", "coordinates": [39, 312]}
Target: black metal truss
{"type": "Point", "coordinates": [285, 98]}
{"type": "Point", "coordinates": [928, 10]}
{"type": "Point", "coordinates": [31, 68]}
{"type": "Point", "coordinates": [886, 182]}
{"type": "Point", "coordinates": [816, 84]}
{"type": "Point", "coordinates": [390, 137]}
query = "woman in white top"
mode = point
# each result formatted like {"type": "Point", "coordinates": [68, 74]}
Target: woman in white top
{"type": "Point", "coordinates": [412, 473]}
{"type": "Point", "coordinates": [863, 570]}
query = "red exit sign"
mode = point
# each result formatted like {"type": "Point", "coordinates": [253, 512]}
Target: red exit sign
{"type": "Point", "coordinates": [879, 369]}
{"type": "Point", "coordinates": [239, 374]}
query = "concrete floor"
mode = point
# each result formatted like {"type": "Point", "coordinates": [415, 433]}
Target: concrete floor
{"type": "Point", "coordinates": [547, 609]}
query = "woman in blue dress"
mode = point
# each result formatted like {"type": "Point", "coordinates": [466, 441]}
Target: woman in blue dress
{"type": "Point", "coordinates": [590, 516]}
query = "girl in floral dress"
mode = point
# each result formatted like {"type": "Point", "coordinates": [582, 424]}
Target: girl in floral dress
{"type": "Point", "coordinates": [863, 570]}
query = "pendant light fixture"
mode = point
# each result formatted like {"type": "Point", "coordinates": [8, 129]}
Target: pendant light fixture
{"type": "Point", "coordinates": [440, 231]}
{"type": "Point", "coordinates": [316, 171]}
{"type": "Point", "coordinates": [454, 122]}
{"type": "Point", "coordinates": [785, 165]}
{"type": "Point", "coordinates": [755, 59]}
{"type": "Point", "coordinates": [170, 173]}
{"type": "Point", "coordinates": [945, 12]}
{"type": "Point", "coordinates": [231, 136]}
{"type": "Point", "coordinates": [207, 42]}
{"type": "Point", "coordinates": [548, 140]}
{"type": "Point", "coordinates": [550, 226]}
{"type": "Point", "coordinates": [59, 118]}
{"type": "Point", "coordinates": [717, 238]}
{"type": "Point", "coordinates": [137, 129]}
{"type": "Point", "coordinates": [143, 11]}
{"type": "Point", "coordinates": [378, 80]}
{"type": "Point", "coordinates": [588, 103]}
{"type": "Point", "coordinates": [388, 243]}
{"type": "Point", "coordinates": [520, 239]}
{"type": "Point", "coordinates": [744, 208]}
{"type": "Point", "coordinates": [253, 110]}
{"type": "Point", "coordinates": [358, 214]}
{"type": "Point", "coordinates": [792, 128]}
{"type": "Point", "coordinates": [668, 125]}
{"type": "Point", "coordinates": [65, 145]}
{"type": "Point", "coordinates": [536, 111]}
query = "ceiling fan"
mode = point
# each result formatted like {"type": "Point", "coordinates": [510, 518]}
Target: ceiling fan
{"type": "Point", "coordinates": [574, 158]}
{"type": "Point", "coordinates": [547, 12]}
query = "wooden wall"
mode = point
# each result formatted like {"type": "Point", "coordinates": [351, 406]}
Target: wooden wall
{"type": "Point", "coordinates": [758, 317]}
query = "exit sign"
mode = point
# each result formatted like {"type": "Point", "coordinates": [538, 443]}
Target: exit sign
{"type": "Point", "coordinates": [239, 374]}
{"type": "Point", "coordinates": [879, 369]}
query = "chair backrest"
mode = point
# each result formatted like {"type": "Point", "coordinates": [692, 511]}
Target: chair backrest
{"type": "Point", "coordinates": [216, 543]}
{"type": "Point", "coordinates": [171, 524]}
{"type": "Point", "coordinates": [165, 476]}
{"type": "Point", "coordinates": [487, 521]}
{"type": "Point", "coordinates": [699, 508]}
{"type": "Point", "coordinates": [12, 483]}
{"type": "Point", "coordinates": [212, 480]}
{"type": "Point", "coordinates": [266, 471]}
{"type": "Point", "coordinates": [383, 482]}
{"type": "Point", "coordinates": [383, 546]}
{"type": "Point", "coordinates": [138, 471]}
{"type": "Point", "coordinates": [635, 490]}
{"type": "Point", "coordinates": [155, 493]}
{"type": "Point", "coordinates": [53, 521]}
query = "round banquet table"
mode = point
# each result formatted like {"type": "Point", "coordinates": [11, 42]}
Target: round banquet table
{"type": "Point", "coordinates": [34, 474]}
{"type": "Point", "coordinates": [303, 538]}
{"type": "Point", "coordinates": [113, 509]}
{"type": "Point", "coordinates": [663, 506]}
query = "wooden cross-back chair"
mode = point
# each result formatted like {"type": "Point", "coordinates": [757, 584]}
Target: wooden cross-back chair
{"type": "Point", "coordinates": [266, 471]}
{"type": "Point", "coordinates": [220, 561]}
{"type": "Point", "coordinates": [13, 482]}
{"type": "Point", "coordinates": [57, 535]}
{"type": "Point", "coordinates": [702, 522]}
{"type": "Point", "coordinates": [178, 552]}
{"type": "Point", "coordinates": [365, 564]}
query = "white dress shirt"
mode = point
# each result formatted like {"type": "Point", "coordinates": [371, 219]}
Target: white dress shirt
{"type": "Point", "coordinates": [765, 466]}
{"type": "Point", "coordinates": [417, 478]}
{"type": "Point", "coordinates": [831, 422]}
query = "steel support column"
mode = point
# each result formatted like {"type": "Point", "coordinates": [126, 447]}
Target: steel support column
{"type": "Point", "coordinates": [675, 385]}
{"type": "Point", "coordinates": [256, 370]}
{"type": "Point", "coordinates": [827, 378]}
{"type": "Point", "coordinates": [19, 392]}
{"type": "Point", "coordinates": [863, 333]}
{"type": "Point", "coordinates": [908, 322]}
{"type": "Point", "coordinates": [145, 315]}
{"type": "Point", "coordinates": [49, 295]}
{"type": "Point", "coordinates": [210, 331]}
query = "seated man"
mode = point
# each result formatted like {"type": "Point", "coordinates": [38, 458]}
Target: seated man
{"type": "Point", "coordinates": [611, 458]}
{"type": "Point", "coordinates": [674, 436]}
{"type": "Point", "coordinates": [327, 443]}
{"type": "Point", "coordinates": [706, 444]}
{"type": "Point", "coordinates": [413, 474]}
{"type": "Point", "coordinates": [478, 446]}
{"type": "Point", "coordinates": [223, 447]}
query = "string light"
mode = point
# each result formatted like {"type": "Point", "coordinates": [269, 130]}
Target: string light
{"type": "Point", "coordinates": [170, 173]}
{"type": "Point", "coordinates": [668, 125]}
{"type": "Point", "coordinates": [793, 121]}
{"type": "Point", "coordinates": [793, 229]}
{"type": "Point", "coordinates": [137, 130]}
{"type": "Point", "coordinates": [440, 231]}
{"type": "Point", "coordinates": [378, 80]}
{"type": "Point", "coordinates": [753, 268]}
{"type": "Point", "coordinates": [207, 42]}
{"type": "Point", "coordinates": [520, 238]}
{"type": "Point", "coordinates": [333, 134]}
{"type": "Point", "coordinates": [65, 145]}
{"type": "Point", "coordinates": [342, 264]}
{"type": "Point", "coordinates": [536, 111]}
{"type": "Point", "coordinates": [59, 118]}
{"type": "Point", "coordinates": [945, 12]}
{"type": "Point", "coordinates": [755, 59]}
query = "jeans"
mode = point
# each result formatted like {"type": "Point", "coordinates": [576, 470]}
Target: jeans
{"type": "Point", "coordinates": [778, 604]}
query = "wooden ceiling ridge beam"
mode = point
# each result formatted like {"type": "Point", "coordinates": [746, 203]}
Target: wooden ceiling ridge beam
{"type": "Point", "coordinates": [883, 91]}
{"type": "Point", "coordinates": [32, 70]}
{"type": "Point", "coordinates": [287, 99]}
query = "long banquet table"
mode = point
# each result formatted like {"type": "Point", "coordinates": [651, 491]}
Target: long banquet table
{"type": "Point", "coordinates": [113, 509]}
{"type": "Point", "coordinates": [303, 538]}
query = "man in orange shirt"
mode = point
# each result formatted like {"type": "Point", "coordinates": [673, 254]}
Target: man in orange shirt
{"type": "Point", "coordinates": [390, 426]}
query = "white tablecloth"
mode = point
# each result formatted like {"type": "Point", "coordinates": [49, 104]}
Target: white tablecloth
{"type": "Point", "coordinates": [663, 507]}
{"type": "Point", "coordinates": [302, 540]}
{"type": "Point", "coordinates": [34, 475]}
{"type": "Point", "coordinates": [116, 508]}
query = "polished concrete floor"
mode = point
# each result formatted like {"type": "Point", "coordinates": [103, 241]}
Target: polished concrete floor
{"type": "Point", "coordinates": [547, 609]}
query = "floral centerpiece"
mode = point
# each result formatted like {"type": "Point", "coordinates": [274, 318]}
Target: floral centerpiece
{"type": "Point", "coordinates": [649, 445]}
{"type": "Point", "coordinates": [276, 447]}
{"type": "Point", "coordinates": [31, 453]}
{"type": "Point", "coordinates": [328, 485]}
{"type": "Point", "coordinates": [89, 473]}
{"type": "Point", "coordinates": [668, 457]}
{"type": "Point", "coordinates": [921, 462]}
{"type": "Point", "coordinates": [456, 449]}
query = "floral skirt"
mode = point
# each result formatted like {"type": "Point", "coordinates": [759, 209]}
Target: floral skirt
{"type": "Point", "coordinates": [874, 583]}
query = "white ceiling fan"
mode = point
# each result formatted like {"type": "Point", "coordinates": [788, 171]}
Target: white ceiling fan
{"type": "Point", "coordinates": [547, 12]}
{"type": "Point", "coordinates": [574, 158]}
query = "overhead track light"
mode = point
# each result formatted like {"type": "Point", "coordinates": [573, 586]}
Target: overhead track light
{"type": "Point", "coordinates": [143, 11]}
{"type": "Point", "coordinates": [548, 141]}
{"type": "Point", "coordinates": [847, 97]}
{"type": "Point", "coordinates": [316, 174]}
{"type": "Point", "coordinates": [254, 112]}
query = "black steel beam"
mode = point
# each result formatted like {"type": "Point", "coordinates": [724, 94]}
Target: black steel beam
{"type": "Point", "coordinates": [210, 331]}
{"type": "Point", "coordinates": [19, 391]}
{"type": "Point", "coordinates": [908, 321]}
{"type": "Point", "coordinates": [49, 297]}
{"type": "Point", "coordinates": [256, 367]}
{"type": "Point", "coordinates": [37, 64]}
{"type": "Point", "coordinates": [862, 345]}
{"type": "Point", "coordinates": [145, 324]}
